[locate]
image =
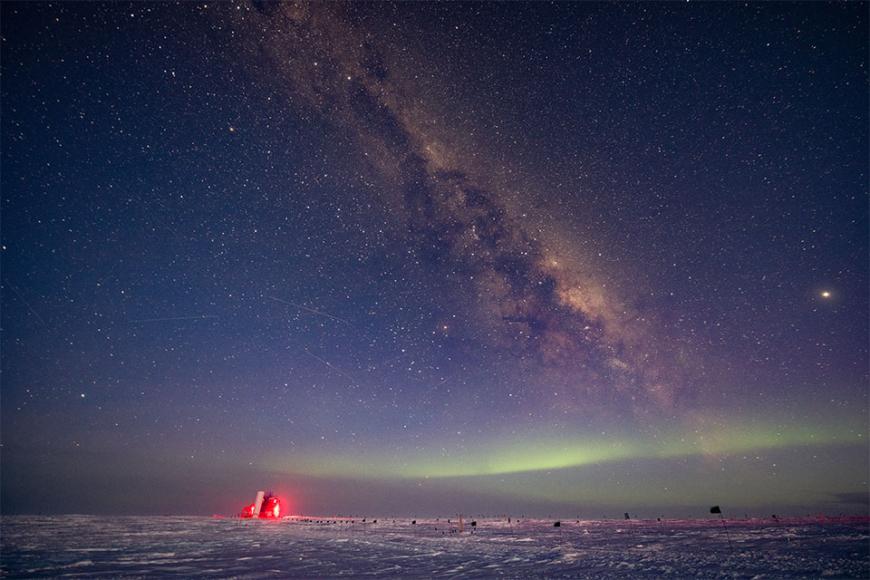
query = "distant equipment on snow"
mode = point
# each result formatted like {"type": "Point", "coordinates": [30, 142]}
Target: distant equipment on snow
{"type": "Point", "coordinates": [715, 510]}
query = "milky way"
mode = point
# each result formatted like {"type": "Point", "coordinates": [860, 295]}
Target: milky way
{"type": "Point", "coordinates": [555, 314]}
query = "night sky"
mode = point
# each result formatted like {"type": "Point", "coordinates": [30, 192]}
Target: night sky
{"type": "Point", "coordinates": [421, 259]}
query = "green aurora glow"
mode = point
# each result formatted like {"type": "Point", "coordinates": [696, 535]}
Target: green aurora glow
{"type": "Point", "coordinates": [514, 455]}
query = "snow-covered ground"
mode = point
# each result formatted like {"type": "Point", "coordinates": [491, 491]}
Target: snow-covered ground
{"type": "Point", "coordinates": [89, 546]}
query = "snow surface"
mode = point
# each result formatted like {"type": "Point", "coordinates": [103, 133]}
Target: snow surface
{"type": "Point", "coordinates": [90, 546]}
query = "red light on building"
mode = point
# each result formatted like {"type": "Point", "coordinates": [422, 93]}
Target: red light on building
{"type": "Point", "coordinates": [266, 506]}
{"type": "Point", "coordinates": [271, 507]}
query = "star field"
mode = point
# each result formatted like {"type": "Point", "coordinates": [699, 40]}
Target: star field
{"type": "Point", "coordinates": [424, 258]}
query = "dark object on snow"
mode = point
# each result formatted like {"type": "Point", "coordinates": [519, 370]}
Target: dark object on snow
{"type": "Point", "coordinates": [627, 516]}
{"type": "Point", "coordinates": [414, 522]}
{"type": "Point", "coordinates": [557, 525]}
{"type": "Point", "coordinates": [717, 510]}
{"type": "Point", "coordinates": [473, 523]}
